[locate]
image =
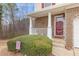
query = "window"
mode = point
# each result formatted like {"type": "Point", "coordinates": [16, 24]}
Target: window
{"type": "Point", "coordinates": [42, 5]}
{"type": "Point", "coordinates": [47, 4]}
{"type": "Point", "coordinates": [53, 3]}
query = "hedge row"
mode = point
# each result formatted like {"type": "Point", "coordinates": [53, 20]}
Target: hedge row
{"type": "Point", "coordinates": [32, 45]}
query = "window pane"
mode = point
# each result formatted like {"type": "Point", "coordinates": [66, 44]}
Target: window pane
{"type": "Point", "coordinates": [53, 3]}
{"type": "Point", "coordinates": [42, 5]}
{"type": "Point", "coordinates": [47, 4]}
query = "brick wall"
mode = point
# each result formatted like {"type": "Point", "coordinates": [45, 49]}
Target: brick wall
{"type": "Point", "coordinates": [70, 14]}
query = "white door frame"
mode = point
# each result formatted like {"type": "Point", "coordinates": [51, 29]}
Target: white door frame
{"type": "Point", "coordinates": [55, 17]}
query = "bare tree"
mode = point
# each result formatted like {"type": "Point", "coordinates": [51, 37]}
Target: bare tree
{"type": "Point", "coordinates": [12, 8]}
{"type": "Point", "coordinates": [17, 25]}
{"type": "Point", "coordinates": [0, 18]}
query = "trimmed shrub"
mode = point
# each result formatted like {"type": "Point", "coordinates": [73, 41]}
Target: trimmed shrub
{"type": "Point", "coordinates": [32, 45]}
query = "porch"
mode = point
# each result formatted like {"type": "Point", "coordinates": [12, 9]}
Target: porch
{"type": "Point", "coordinates": [51, 26]}
{"type": "Point", "coordinates": [41, 28]}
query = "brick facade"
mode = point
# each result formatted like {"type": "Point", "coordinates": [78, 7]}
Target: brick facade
{"type": "Point", "coordinates": [70, 14]}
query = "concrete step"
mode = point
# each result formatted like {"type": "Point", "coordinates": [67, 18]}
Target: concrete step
{"type": "Point", "coordinates": [59, 41]}
{"type": "Point", "coordinates": [59, 45]}
{"type": "Point", "coordinates": [59, 48]}
{"type": "Point", "coordinates": [58, 51]}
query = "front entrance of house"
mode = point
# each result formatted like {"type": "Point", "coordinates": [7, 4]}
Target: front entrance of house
{"type": "Point", "coordinates": [59, 26]}
{"type": "Point", "coordinates": [76, 32]}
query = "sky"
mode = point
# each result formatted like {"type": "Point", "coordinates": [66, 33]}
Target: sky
{"type": "Point", "coordinates": [25, 8]}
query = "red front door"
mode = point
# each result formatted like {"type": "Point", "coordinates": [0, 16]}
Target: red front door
{"type": "Point", "coordinates": [59, 28]}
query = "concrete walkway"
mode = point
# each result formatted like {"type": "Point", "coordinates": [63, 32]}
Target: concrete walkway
{"type": "Point", "coordinates": [59, 49]}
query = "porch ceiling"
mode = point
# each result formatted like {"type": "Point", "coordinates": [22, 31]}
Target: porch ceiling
{"type": "Point", "coordinates": [60, 8]}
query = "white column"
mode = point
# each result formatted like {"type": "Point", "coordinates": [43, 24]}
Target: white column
{"type": "Point", "coordinates": [30, 26]}
{"type": "Point", "coordinates": [49, 29]}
